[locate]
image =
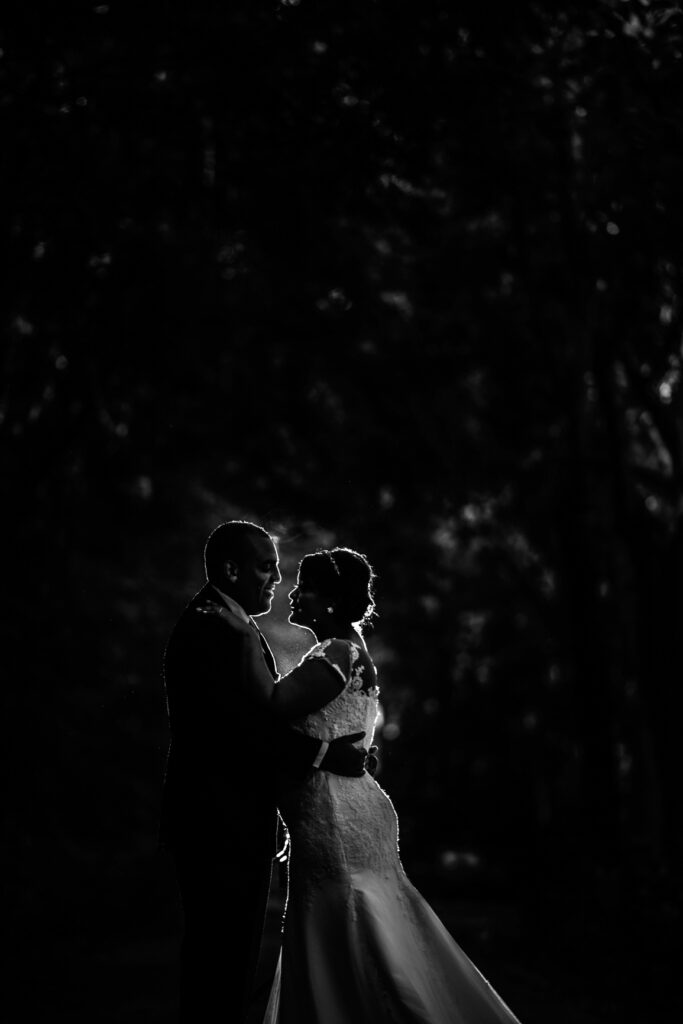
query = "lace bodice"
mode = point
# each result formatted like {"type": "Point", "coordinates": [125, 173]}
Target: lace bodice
{"type": "Point", "coordinates": [354, 709]}
{"type": "Point", "coordinates": [338, 824]}
{"type": "Point", "coordinates": [361, 945]}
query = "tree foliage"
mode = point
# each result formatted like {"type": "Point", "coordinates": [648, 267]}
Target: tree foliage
{"type": "Point", "coordinates": [407, 275]}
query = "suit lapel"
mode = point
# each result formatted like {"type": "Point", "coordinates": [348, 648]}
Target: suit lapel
{"type": "Point", "coordinates": [268, 654]}
{"type": "Point", "coordinates": [210, 591]}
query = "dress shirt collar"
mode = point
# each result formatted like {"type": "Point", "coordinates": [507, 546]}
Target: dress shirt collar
{"type": "Point", "coordinates": [234, 606]}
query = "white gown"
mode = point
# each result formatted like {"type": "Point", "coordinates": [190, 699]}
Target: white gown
{"type": "Point", "coordinates": [360, 944]}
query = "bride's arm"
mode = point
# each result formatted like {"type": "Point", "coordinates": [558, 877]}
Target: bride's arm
{"type": "Point", "coordinates": [308, 687]}
{"type": "Point", "coordinates": [305, 689]}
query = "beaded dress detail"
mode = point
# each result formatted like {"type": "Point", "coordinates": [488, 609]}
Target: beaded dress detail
{"type": "Point", "coordinates": [361, 945]}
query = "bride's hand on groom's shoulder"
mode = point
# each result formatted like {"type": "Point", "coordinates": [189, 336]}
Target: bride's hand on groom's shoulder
{"type": "Point", "coordinates": [230, 618]}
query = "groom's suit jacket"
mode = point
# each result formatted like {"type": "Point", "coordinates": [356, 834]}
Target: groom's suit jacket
{"type": "Point", "coordinates": [226, 750]}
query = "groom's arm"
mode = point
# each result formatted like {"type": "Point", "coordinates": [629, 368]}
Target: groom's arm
{"type": "Point", "coordinates": [292, 750]}
{"type": "Point", "coordinates": [298, 753]}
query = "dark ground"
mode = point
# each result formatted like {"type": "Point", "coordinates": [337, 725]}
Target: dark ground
{"type": "Point", "coordinates": [114, 960]}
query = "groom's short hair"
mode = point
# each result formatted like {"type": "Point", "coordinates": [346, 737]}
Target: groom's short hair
{"type": "Point", "coordinates": [229, 541]}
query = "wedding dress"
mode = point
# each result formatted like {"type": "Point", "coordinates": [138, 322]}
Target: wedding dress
{"type": "Point", "coordinates": [360, 944]}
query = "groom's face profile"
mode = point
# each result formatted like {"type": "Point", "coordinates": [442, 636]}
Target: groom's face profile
{"type": "Point", "coordinates": [258, 574]}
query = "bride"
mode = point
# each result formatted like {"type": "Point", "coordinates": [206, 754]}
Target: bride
{"type": "Point", "coordinates": [360, 944]}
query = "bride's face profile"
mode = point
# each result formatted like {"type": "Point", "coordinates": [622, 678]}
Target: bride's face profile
{"type": "Point", "coordinates": [307, 604]}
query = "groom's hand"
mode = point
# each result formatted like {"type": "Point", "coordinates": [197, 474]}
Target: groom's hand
{"type": "Point", "coordinates": [342, 758]}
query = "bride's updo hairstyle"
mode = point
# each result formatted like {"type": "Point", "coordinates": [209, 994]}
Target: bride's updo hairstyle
{"type": "Point", "coordinates": [346, 578]}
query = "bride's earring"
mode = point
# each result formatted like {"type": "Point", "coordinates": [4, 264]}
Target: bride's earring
{"type": "Point", "coordinates": [330, 610]}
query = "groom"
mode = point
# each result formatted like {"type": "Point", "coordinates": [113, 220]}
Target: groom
{"type": "Point", "coordinates": [219, 815]}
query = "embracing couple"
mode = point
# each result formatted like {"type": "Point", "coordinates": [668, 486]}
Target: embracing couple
{"type": "Point", "coordinates": [360, 944]}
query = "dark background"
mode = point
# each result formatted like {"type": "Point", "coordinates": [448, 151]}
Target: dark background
{"type": "Point", "coordinates": [399, 277]}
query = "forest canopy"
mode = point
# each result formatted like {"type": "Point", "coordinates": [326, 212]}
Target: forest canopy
{"type": "Point", "coordinates": [401, 277]}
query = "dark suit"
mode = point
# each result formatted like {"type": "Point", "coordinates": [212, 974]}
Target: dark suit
{"type": "Point", "coordinates": [219, 815]}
